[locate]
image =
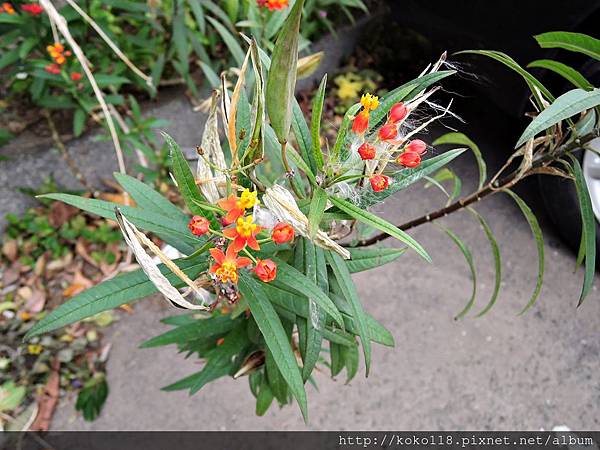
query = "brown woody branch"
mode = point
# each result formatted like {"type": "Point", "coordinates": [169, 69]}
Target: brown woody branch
{"type": "Point", "coordinates": [491, 188]}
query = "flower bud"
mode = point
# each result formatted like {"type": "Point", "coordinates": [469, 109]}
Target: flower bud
{"type": "Point", "coordinates": [361, 122]}
{"type": "Point", "coordinates": [416, 146]}
{"type": "Point", "coordinates": [282, 233]}
{"type": "Point", "coordinates": [398, 113]}
{"type": "Point", "coordinates": [409, 159]}
{"type": "Point", "coordinates": [266, 270]}
{"type": "Point", "coordinates": [388, 132]}
{"type": "Point", "coordinates": [366, 151]}
{"type": "Point", "coordinates": [379, 182]}
{"type": "Point", "coordinates": [75, 76]}
{"type": "Point", "coordinates": [199, 225]}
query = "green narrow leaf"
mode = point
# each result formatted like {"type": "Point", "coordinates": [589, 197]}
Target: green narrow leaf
{"type": "Point", "coordinates": [186, 182]}
{"type": "Point", "coordinates": [531, 81]}
{"type": "Point", "coordinates": [79, 121]}
{"type": "Point", "coordinates": [340, 141]}
{"type": "Point", "coordinates": [222, 360]}
{"type": "Point", "coordinates": [351, 362]}
{"type": "Point", "coordinates": [497, 261]}
{"type": "Point", "coordinates": [368, 258]}
{"type": "Point", "coordinates": [336, 352]}
{"type": "Point", "coordinates": [288, 276]}
{"type": "Point", "coordinates": [298, 161]}
{"type": "Point", "coordinates": [281, 81]}
{"type": "Point", "coordinates": [230, 41]}
{"type": "Point", "coordinates": [302, 134]}
{"type": "Point", "coordinates": [348, 289]}
{"type": "Point", "coordinates": [382, 225]}
{"type": "Point", "coordinates": [565, 106]}
{"type": "Point", "coordinates": [317, 208]}
{"type": "Point", "coordinates": [461, 139]}
{"type": "Point", "coordinates": [169, 229]}
{"type": "Point", "coordinates": [148, 198]}
{"type": "Point", "coordinates": [469, 258]}
{"type": "Point", "coordinates": [571, 75]}
{"type": "Point", "coordinates": [276, 381]}
{"type": "Point", "coordinates": [196, 7]}
{"type": "Point", "coordinates": [199, 329]}
{"type": "Point", "coordinates": [313, 264]}
{"type": "Point", "coordinates": [539, 240]}
{"type": "Point", "coordinates": [112, 293]}
{"type": "Point", "coordinates": [315, 126]}
{"type": "Point", "coordinates": [575, 42]}
{"type": "Point", "coordinates": [589, 229]}
{"type": "Point", "coordinates": [264, 398]}
{"type": "Point", "coordinates": [275, 337]}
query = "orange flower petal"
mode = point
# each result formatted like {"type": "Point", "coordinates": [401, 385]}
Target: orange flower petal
{"type": "Point", "coordinates": [253, 243]}
{"type": "Point", "coordinates": [217, 254]}
{"type": "Point", "coordinates": [243, 261]}
{"type": "Point", "coordinates": [238, 244]}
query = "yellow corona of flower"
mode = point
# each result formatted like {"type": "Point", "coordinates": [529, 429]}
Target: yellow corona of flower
{"type": "Point", "coordinates": [248, 199]}
{"type": "Point", "coordinates": [370, 102]}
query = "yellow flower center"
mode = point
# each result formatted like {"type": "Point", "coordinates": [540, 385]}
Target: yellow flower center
{"type": "Point", "coordinates": [245, 227]}
{"type": "Point", "coordinates": [227, 271]}
{"type": "Point", "coordinates": [369, 102]}
{"type": "Point", "coordinates": [247, 199]}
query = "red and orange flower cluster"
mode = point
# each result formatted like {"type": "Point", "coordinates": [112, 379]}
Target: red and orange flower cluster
{"type": "Point", "coordinates": [388, 134]}
{"type": "Point", "coordinates": [243, 234]}
{"type": "Point", "coordinates": [59, 55]}
{"type": "Point", "coordinates": [273, 4]}
{"type": "Point", "coordinates": [7, 8]}
{"type": "Point", "coordinates": [33, 9]}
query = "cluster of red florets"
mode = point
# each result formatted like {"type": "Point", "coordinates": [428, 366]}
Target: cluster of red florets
{"type": "Point", "coordinates": [242, 235]}
{"type": "Point", "coordinates": [388, 134]}
{"type": "Point", "coordinates": [273, 5]}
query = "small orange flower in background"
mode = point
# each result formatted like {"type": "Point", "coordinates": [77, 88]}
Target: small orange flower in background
{"type": "Point", "coordinates": [379, 182]}
{"type": "Point", "coordinates": [416, 146]}
{"type": "Point", "coordinates": [366, 151]}
{"type": "Point", "coordinates": [282, 233]}
{"type": "Point", "coordinates": [361, 121]}
{"type": "Point", "coordinates": [227, 264]}
{"type": "Point", "coordinates": [33, 9]}
{"type": "Point", "coordinates": [7, 8]}
{"type": "Point", "coordinates": [273, 4]}
{"type": "Point", "coordinates": [409, 159]}
{"type": "Point", "coordinates": [236, 206]}
{"type": "Point", "coordinates": [245, 232]}
{"type": "Point", "coordinates": [199, 225]}
{"type": "Point", "coordinates": [398, 113]}
{"type": "Point", "coordinates": [75, 76]}
{"type": "Point", "coordinates": [388, 132]}
{"type": "Point", "coordinates": [57, 52]}
{"type": "Point", "coordinates": [25, 316]}
{"type": "Point", "coordinates": [53, 68]}
{"type": "Point", "coordinates": [266, 270]}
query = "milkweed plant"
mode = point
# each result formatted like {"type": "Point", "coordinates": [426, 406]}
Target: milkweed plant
{"type": "Point", "coordinates": [265, 236]}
